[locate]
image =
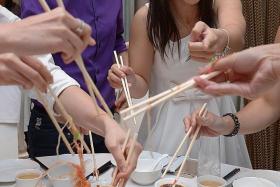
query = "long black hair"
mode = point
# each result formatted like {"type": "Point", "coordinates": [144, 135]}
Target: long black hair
{"type": "Point", "coordinates": [161, 24]}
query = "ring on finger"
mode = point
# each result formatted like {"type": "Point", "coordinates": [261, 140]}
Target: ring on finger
{"type": "Point", "coordinates": [226, 74]}
{"type": "Point", "coordinates": [80, 29]}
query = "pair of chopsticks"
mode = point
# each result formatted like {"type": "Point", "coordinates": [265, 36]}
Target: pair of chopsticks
{"type": "Point", "coordinates": [90, 84]}
{"type": "Point", "coordinates": [202, 113]}
{"type": "Point", "coordinates": [129, 101]}
{"type": "Point", "coordinates": [162, 97]}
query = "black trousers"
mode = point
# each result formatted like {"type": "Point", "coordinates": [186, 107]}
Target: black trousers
{"type": "Point", "coordinates": [42, 136]}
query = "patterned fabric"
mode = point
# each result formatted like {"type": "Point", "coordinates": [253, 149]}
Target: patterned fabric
{"type": "Point", "coordinates": [263, 20]}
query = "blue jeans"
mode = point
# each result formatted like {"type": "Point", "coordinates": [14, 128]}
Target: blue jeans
{"type": "Point", "coordinates": [42, 136]}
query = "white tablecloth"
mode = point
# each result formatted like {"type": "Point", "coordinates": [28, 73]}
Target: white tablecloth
{"type": "Point", "coordinates": [102, 159]}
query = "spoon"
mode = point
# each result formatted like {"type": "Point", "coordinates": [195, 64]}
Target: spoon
{"type": "Point", "coordinates": [154, 166]}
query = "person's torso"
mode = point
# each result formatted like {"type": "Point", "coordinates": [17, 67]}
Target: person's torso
{"type": "Point", "coordinates": [102, 17]}
{"type": "Point", "coordinates": [174, 68]}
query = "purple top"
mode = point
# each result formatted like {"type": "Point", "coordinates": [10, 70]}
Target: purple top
{"type": "Point", "coordinates": [106, 20]}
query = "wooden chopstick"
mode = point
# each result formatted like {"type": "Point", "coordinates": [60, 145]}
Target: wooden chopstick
{"type": "Point", "coordinates": [88, 80]}
{"type": "Point", "coordinates": [60, 3]}
{"type": "Point", "coordinates": [130, 152]}
{"type": "Point", "coordinates": [202, 113]}
{"type": "Point", "coordinates": [123, 151]}
{"type": "Point", "coordinates": [128, 98]}
{"type": "Point", "coordinates": [147, 105]}
{"type": "Point", "coordinates": [128, 92]}
{"type": "Point", "coordinates": [51, 115]}
{"type": "Point", "coordinates": [176, 153]}
{"type": "Point", "coordinates": [73, 129]}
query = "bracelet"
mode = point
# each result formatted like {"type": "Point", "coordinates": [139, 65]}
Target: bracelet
{"type": "Point", "coordinates": [236, 124]}
{"type": "Point", "coordinates": [222, 54]}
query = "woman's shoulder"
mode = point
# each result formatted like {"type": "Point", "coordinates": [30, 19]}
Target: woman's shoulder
{"type": "Point", "coordinates": [142, 12]}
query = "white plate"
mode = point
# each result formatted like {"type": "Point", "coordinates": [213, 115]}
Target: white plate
{"type": "Point", "coordinates": [9, 168]}
{"type": "Point", "coordinates": [270, 175]}
{"type": "Point", "coordinates": [144, 155]}
{"type": "Point", "coordinates": [253, 181]}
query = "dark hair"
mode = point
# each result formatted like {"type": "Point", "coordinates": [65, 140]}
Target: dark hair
{"type": "Point", "coordinates": [161, 24]}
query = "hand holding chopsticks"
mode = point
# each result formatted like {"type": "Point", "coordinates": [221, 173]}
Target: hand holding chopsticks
{"type": "Point", "coordinates": [162, 97]}
{"type": "Point", "coordinates": [202, 113]}
{"type": "Point", "coordinates": [129, 101]}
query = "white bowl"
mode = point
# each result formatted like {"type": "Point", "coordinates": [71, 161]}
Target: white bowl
{"type": "Point", "coordinates": [21, 181]}
{"type": "Point", "coordinates": [62, 176]}
{"type": "Point", "coordinates": [181, 181]}
{"type": "Point", "coordinates": [253, 181]}
{"type": "Point", "coordinates": [143, 174]}
{"type": "Point", "coordinates": [211, 178]}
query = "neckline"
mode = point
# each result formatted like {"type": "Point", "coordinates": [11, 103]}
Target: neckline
{"type": "Point", "coordinates": [181, 39]}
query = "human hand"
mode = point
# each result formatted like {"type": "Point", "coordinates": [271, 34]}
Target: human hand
{"type": "Point", "coordinates": [24, 71]}
{"type": "Point", "coordinates": [51, 32]}
{"type": "Point", "coordinates": [210, 125]}
{"type": "Point", "coordinates": [114, 139]}
{"type": "Point", "coordinates": [206, 41]}
{"type": "Point", "coordinates": [116, 74]}
{"type": "Point", "coordinates": [121, 102]}
{"type": "Point", "coordinates": [251, 73]}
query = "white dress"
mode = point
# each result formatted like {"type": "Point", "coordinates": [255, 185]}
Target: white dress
{"type": "Point", "coordinates": [167, 128]}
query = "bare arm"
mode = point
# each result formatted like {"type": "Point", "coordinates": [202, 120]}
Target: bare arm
{"type": "Point", "coordinates": [258, 114]}
{"type": "Point", "coordinates": [84, 112]}
{"type": "Point", "coordinates": [141, 54]}
{"type": "Point", "coordinates": [254, 117]}
{"type": "Point", "coordinates": [230, 18]}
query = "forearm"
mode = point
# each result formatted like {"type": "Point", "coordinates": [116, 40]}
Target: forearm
{"type": "Point", "coordinates": [231, 19]}
{"type": "Point", "coordinates": [124, 56]}
{"type": "Point", "coordinates": [139, 88]}
{"type": "Point", "coordinates": [236, 34]}
{"type": "Point", "coordinates": [254, 117]}
{"type": "Point", "coordinates": [83, 110]}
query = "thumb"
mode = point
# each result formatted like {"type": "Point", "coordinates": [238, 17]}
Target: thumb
{"type": "Point", "coordinates": [196, 34]}
{"type": "Point", "coordinates": [225, 63]}
{"type": "Point", "coordinates": [226, 89]}
{"type": "Point", "coordinates": [119, 157]}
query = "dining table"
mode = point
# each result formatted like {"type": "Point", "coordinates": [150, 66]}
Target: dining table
{"type": "Point", "coordinates": [102, 158]}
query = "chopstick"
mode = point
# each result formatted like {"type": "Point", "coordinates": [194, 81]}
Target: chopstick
{"type": "Point", "coordinates": [102, 169]}
{"type": "Point", "coordinates": [90, 84]}
{"type": "Point", "coordinates": [79, 60]}
{"type": "Point", "coordinates": [51, 115]}
{"type": "Point", "coordinates": [43, 166]}
{"type": "Point", "coordinates": [73, 129]}
{"type": "Point", "coordinates": [156, 100]}
{"type": "Point", "coordinates": [202, 113]}
{"type": "Point", "coordinates": [129, 101]}
{"type": "Point", "coordinates": [130, 152]}
{"type": "Point", "coordinates": [231, 174]}
{"type": "Point", "coordinates": [176, 153]}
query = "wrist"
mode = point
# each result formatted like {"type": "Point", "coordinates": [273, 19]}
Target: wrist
{"type": "Point", "coordinates": [223, 41]}
{"type": "Point", "coordinates": [228, 125]}
{"type": "Point", "coordinates": [6, 40]}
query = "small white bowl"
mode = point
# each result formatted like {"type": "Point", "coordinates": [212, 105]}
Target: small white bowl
{"type": "Point", "coordinates": [253, 181]}
{"type": "Point", "coordinates": [34, 177]}
{"type": "Point", "coordinates": [143, 174]}
{"type": "Point", "coordinates": [211, 178]}
{"type": "Point", "coordinates": [62, 176]}
{"type": "Point", "coordinates": [184, 182]}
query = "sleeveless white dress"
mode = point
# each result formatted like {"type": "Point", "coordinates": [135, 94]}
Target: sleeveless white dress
{"type": "Point", "coordinates": [166, 120]}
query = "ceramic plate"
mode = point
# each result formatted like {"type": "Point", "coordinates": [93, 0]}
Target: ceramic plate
{"type": "Point", "coordinates": [9, 168]}
{"type": "Point", "coordinates": [253, 181]}
{"type": "Point", "coordinates": [270, 175]}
